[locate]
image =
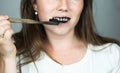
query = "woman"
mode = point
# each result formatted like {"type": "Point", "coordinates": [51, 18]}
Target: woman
{"type": "Point", "coordinates": [70, 47]}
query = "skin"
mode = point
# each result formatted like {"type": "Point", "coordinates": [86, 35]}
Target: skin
{"type": "Point", "coordinates": [64, 47]}
{"type": "Point", "coordinates": [46, 10]}
{"type": "Point", "coordinates": [6, 43]}
{"type": "Point", "coordinates": [62, 40]}
{"type": "Point", "coordinates": [7, 48]}
{"type": "Point", "coordinates": [70, 8]}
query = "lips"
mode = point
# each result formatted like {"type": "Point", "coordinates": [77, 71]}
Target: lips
{"type": "Point", "coordinates": [60, 19]}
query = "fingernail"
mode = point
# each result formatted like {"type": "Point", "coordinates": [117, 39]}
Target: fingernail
{"type": "Point", "coordinates": [6, 16]}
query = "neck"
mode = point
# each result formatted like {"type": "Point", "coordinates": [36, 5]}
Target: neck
{"type": "Point", "coordinates": [63, 42]}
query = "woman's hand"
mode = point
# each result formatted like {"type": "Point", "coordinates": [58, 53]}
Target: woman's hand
{"type": "Point", "coordinates": [7, 48]}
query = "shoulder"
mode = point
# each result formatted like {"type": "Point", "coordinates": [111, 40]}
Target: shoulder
{"type": "Point", "coordinates": [33, 67]}
{"type": "Point", "coordinates": [109, 52]}
{"type": "Point", "coordinates": [111, 48]}
{"type": "Point", "coordinates": [114, 54]}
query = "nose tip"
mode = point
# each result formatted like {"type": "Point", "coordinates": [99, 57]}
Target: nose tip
{"type": "Point", "coordinates": [63, 6]}
{"type": "Point", "coordinates": [63, 10]}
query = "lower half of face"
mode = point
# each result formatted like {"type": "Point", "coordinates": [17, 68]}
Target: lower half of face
{"type": "Point", "coordinates": [69, 10]}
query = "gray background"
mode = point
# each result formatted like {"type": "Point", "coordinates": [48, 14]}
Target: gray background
{"type": "Point", "coordinates": [106, 15]}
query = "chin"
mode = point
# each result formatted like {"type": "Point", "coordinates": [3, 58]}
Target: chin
{"type": "Point", "coordinates": [63, 32]}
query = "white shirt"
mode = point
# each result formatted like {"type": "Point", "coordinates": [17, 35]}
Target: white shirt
{"type": "Point", "coordinates": [106, 60]}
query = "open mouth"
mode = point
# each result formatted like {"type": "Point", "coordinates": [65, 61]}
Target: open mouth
{"type": "Point", "coordinates": [60, 19]}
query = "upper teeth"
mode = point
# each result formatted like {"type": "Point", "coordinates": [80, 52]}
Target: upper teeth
{"type": "Point", "coordinates": [62, 19]}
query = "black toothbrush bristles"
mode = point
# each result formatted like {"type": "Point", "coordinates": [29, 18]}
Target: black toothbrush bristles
{"type": "Point", "coordinates": [55, 21]}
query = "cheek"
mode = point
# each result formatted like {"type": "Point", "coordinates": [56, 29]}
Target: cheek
{"type": "Point", "coordinates": [78, 8]}
{"type": "Point", "coordinates": [42, 12]}
{"type": "Point", "coordinates": [76, 12]}
{"type": "Point", "coordinates": [45, 10]}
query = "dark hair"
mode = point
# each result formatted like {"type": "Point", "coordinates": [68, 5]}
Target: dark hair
{"type": "Point", "coordinates": [30, 40]}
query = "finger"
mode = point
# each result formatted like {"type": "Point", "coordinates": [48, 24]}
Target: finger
{"type": "Point", "coordinates": [4, 25]}
{"type": "Point", "coordinates": [4, 22]}
{"type": "Point", "coordinates": [2, 17]}
{"type": "Point", "coordinates": [1, 30]}
{"type": "Point", "coordinates": [8, 34]}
